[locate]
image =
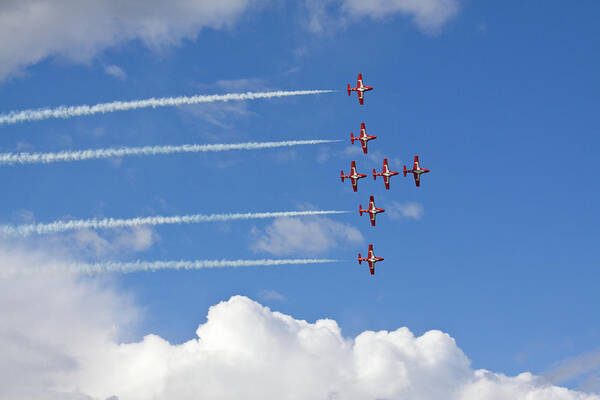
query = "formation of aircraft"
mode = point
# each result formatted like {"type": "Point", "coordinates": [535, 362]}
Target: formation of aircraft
{"type": "Point", "coordinates": [372, 210]}
{"type": "Point", "coordinates": [354, 176]}
{"type": "Point", "coordinates": [386, 173]}
{"type": "Point", "coordinates": [364, 138]}
{"type": "Point", "coordinates": [371, 259]}
{"type": "Point", "coordinates": [416, 171]}
{"type": "Point", "coordinates": [360, 89]}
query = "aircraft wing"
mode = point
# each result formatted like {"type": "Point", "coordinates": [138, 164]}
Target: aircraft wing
{"type": "Point", "coordinates": [372, 267]}
{"type": "Point", "coordinates": [354, 184]}
{"type": "Point", "coordinates": [386, 180]}
{"type": "Point", "coordinates": [417, 179]}
{"type": "Point", "coordinates": [372, 215]}
{"type": "Point", "coordinates": [364, 146]}
{"type": "Point", "coordinates": [361, 98]}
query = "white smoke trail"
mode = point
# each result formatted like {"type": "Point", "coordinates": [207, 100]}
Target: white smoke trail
{"type": "Point", "coordinates": [64, 112]}
{"type": "Point", "coordinates": [69, 156]}
{"type": "Point", "coordinates": [111, 223]}
{"type": "Point", "coordinates": [139, 266]}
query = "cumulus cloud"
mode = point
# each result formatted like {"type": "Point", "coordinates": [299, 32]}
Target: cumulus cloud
{"type": "Point", "coordinates": [33, 30]}
{"type": "Point", "coordinates": [65, 343]}
{"type": "Point", "coordinates": [50, 325]}
{"type": "Point", "coordinates": [410, 210]}
{"type": "Point", "coordinates": [313, 235]}
{"type": "Point", "coordinates": [66, 338]}
{"type": "Point", "coordinates": [428, 15]}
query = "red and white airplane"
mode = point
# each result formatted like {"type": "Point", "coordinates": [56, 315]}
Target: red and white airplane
{"type": "Point", "coordinates": [385, 173]}
{"type": "Point", "coordinates": [360, 89]}
{"type": "Point", "coordinates": [372, 210]}
{"type": "Point", "coordinates": [416, 171]}
{"type": "Point", "coordinates": [354, 176]}
{"type": "Point", "coordinates": [364, 138]}
{"type": "Point", "coordinates": [371, 259]}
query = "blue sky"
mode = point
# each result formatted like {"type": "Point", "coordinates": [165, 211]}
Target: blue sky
{"type": "Point", "coordinates": [498, 100]}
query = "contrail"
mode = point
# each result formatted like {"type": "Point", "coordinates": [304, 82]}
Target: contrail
{"type": "Point", "coordinates": [64, 112]}
{"type": "Point", "coordinates": [69, 156]}
{"type": "Point", "coordinates": [139, 266]}
{"type": "Point", "coordinates": [110, 223]}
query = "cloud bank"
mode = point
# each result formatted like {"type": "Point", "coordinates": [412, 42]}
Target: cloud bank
{"type": "Point", "coordinates": [67, 338]}
{"type": "Point", "coordinates": [67, 341]}
{"type": "Point", "coordinates": [78, 30]}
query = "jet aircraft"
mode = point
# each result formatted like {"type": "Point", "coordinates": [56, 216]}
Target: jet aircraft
{"type": "Point", "coordinates": [416, 171]}
{"type": "Point", "coordinates": [364, 138]}
{"type": "Point", "coordinates": [372, 210]}
{"type": "Point", "coordinates": [354, 176]}
{"type": "Point", "coordinates": [371, 259]}
{"type": "Point", "coordinates": [360, 89]}
{"type": "Point", "coordinates": [385, 173]}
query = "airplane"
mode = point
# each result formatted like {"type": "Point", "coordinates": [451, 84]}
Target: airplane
{"type": "Point", "coordinates": [354, 176]}
{"type": "Point", "coordinates": [364, 138]}
{"type": "Point", "coordinates": [385, 173]}
{"type": "Point", "coordinates": [416, 171]}
{"type": "Point", "coordinates": [371, 259]}
{"type": "Point", "coordinates": [360, 89]}
{"type": "Point", "coordinates": [372, 210]}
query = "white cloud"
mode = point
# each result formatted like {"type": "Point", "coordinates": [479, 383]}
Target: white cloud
{"type": "Point", "coordinates": [89, 243]}
{"type": "Point", "coordinates": [411, 210]}
{"type": "Point", "coordinates": [308, 236]}
{"type": "Point", "coordinates": [64, 342]}
{"type": "Point", "coordinates": [50, 325]}
{"type": "Point", "coordinates": [327, 15]}
{"type": "Point", "coordinates": [33, 30]}
{"type": "Point", "coordinates": [95, 244]}
{"type": "Point", "coordinates": [115, 71]}
{"type": "Point", "coordinates": [319, 18]}
{"type": "Point", "coordinates": [429, 15]}
{"type": "Point", "coordinates": [66, 338]}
